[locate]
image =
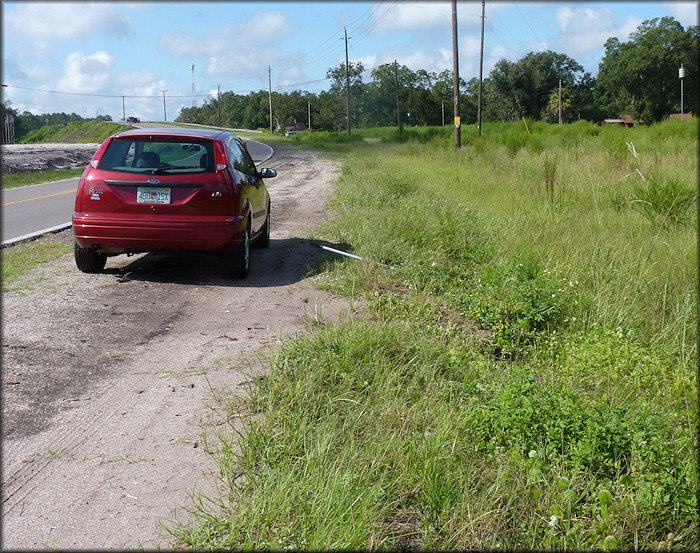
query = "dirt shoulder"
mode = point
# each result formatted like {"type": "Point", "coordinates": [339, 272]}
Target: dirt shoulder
{"type": "Point", "coordinates": [108, 380]}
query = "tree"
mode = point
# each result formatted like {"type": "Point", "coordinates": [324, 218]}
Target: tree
{"type": "Point", "coordinates": [558, 98]}
{"type": "Point", "coordinates": [640, 76]}
{"type": "Point", "coordinates": [339, 79]}
{"type": "Point", "coordinates": [522, 88]}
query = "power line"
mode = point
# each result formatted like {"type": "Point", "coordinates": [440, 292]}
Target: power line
{"type": "Point", "coordinates": [364, 33]}
{"type": "Point", "coordinates": [370, 11]}
{"type": "Point", "coordinates": [527, 23]}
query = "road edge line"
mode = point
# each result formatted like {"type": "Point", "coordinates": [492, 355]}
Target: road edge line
{"type": "Point", "coordinates": [35, 235]}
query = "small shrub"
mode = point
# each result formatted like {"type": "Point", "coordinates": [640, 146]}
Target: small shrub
{"type": "Point", "coordinates": [559, 425]}
{"type": "Point", "coordinates": [664, 203]}
{"type": "Point", "coordinates": [514, 140]}
{"type": "Point", "coordinates": [518, 303]}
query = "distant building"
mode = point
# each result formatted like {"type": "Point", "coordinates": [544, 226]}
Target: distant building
{"type": "Point", "coordinates": [624, 120]}
{"type": "Point", "coordinates": [682, 116]}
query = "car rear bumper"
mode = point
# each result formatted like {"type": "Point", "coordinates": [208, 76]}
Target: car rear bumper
{"type": "Point", "coordinates": [196, 233]}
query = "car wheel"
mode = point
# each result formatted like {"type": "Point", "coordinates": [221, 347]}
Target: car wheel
{"type": "Point", "coordinates": [239, 261]}
{"type": "Point", "coordinates": [88, 260]}
{"type": "Point", "coordinates": [263, 240]}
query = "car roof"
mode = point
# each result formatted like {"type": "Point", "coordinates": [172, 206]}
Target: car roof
{"type": "Point", "coordinates": [175, 132]}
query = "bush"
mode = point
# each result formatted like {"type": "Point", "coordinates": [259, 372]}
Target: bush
{"type": "Point", "coordinates": [665, 203]}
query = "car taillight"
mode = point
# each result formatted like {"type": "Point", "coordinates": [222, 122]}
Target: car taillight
{"type": "Point", "coordinates": [220, 156]}
{"type": "Point", "coordinates": [99, 153]}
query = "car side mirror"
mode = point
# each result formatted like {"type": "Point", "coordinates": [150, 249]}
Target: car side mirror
{"type": "Point", "coordinates": [267, 173]}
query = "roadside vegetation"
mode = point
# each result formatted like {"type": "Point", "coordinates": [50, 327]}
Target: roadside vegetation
{"type": "Point", "coordinates": [76, 132]}
{"type": "Point", "coordinates": [523, 378]}
{"type": "Point", "coordinates": [22, 258]}
{"type": "Point", "coordinates": [38, 177]}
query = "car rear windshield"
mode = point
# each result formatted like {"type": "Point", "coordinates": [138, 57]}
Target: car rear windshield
{"type": "Point", "coordinates": [172, 157]}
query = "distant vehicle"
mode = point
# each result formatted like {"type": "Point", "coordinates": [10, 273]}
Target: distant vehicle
{"type": "Point", "coordinates": [290, 132]}
{"type": "Point", "coordinates": [171, 189]}
{"type": "Point", "coordinates": [133, 120]}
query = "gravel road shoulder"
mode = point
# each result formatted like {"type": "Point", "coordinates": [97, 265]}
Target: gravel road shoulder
{"type": "Point", "coordinates": [108, 379]}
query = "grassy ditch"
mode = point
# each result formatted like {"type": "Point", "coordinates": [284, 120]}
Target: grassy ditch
{"type": "Point", "coordinates": [525, 378]}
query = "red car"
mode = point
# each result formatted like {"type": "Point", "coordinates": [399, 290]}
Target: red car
{"type": "Point", "coordinates": [171, 189]}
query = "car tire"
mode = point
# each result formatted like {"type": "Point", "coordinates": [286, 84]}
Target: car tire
{"type": "Point", "coordinates": [263, 240]}
{"type": "Point", "coordinates": [239, 261]}
{"type": "Point", "coordinates": [88, 260]}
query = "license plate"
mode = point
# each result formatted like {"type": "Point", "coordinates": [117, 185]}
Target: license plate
{"type": "Point", "coordinates": [152, 195]}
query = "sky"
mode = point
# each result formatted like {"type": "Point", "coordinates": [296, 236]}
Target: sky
{"type": "Point", "coordinates": [118, 58]}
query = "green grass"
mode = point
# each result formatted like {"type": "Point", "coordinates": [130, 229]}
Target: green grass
{"type": "Point", "coordinates": [39, 177]}
{"type": "Point", "coordinates": [525, 378]}
{"type": "Point", "coordinates": [82, 132]}
{"type": "Point", "coordinates": [22, 258]}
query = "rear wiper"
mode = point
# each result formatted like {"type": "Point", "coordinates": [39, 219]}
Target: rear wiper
{"type": "Point", "coordinates": [163, 170]}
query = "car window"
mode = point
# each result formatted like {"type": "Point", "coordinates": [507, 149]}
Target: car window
{"type": "Point", "coordinates": [167, 156]}
{"type": "Point", "coordinates": [240, 159]}
{"type": "Point", "coordinates": [248, 162]}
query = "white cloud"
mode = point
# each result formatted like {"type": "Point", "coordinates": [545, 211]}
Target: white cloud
{"type": "Point", "coordinates": [424, 17]}
{"type": "Point", "coordinates": [685, 12]}
{"type": "Point", "coordinates": [218, 45]}
{"type": "Point", "coordinates": [241, 63]}
{"type": "Point", "coordinates": [64, 21]}
{"type": "Point", "coordinates": [90, 74]}
{"type": "Point", "coordinates": [583, 29]}
{"type": "Point", "coordinates": [411, 16]}
{"type": "Point", "coordinates": [263, 28]}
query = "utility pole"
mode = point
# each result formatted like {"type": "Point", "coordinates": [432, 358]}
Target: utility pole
{"type": "Point", "coordinates": [398, 113]}
{"type": "Point", "coordinates": [443, 113]}
{"type": "Point", "coordinates": [347, 80]}
{"type": "Point", "coordinates": [560, 102]}
{"type": "Point", "coordinates": [218, 101]}
{"type": "Point", "coordinates": [458, 130]}
{"type": "Point", "coordinates": [123, 109]}
{"type": "Point", "coordinates": [481, 71]}
{"type": "Point", "coordinates": [194, 101]}
{"type": "Point", "coordinates": [681, 75]}
{"type": "Point", "coordinates": [269, 84]}
{"type": "Point", "coordinates": [309, 103]}
{"type": "Point", "coordinates": [165, 118]}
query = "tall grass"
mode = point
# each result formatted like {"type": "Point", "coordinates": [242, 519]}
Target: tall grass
{"type": "Point", "coordinates": [523, 379]}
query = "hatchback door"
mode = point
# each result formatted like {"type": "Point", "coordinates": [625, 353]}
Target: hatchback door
{"type": "Point", "coordinates": [160, 176]}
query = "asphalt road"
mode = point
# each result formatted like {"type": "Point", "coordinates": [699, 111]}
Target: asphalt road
{"type": "Point", "coordinates": [31, 211]}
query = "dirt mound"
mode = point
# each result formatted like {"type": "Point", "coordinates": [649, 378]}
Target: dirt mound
{"type": "Point", "coordinates": [27, 158]}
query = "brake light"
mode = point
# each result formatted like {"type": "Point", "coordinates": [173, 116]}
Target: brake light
{"type": "Point", "coordinates": [220, 156]}
{"type": "Point", "coordinates": [99, 153]}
